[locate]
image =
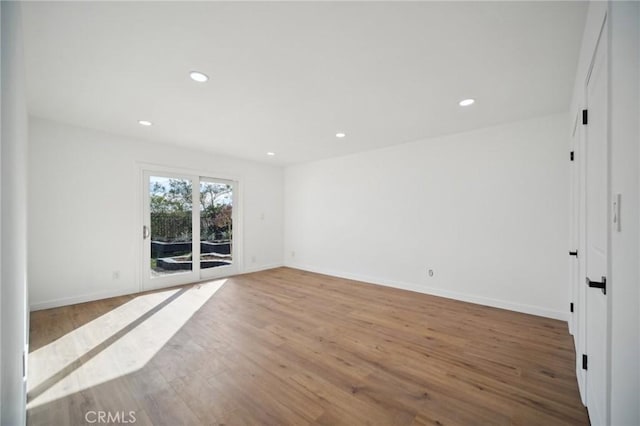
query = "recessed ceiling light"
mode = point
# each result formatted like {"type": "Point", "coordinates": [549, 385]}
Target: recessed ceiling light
{"type": "Point", "coordinates": [271, 154]}
{"type": "Point", "coordinates": [144, 123]}
{"type": "Point", "coordinates": [340, 135]}
{"type": "Point", "coordinates": [466, 102]}
{"type": "Point", "coordinates": [198, 76]}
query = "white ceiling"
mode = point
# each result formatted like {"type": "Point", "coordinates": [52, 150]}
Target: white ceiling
{"type": "Point", "coordinates": [285, 77]}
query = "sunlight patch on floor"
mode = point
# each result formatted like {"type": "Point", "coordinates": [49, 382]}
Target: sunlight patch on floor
{"type": "Point", "coordinates": [94, 353]}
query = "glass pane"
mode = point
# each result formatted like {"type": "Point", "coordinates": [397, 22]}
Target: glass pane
{"type": "Point", "coordinates": [216, 224]}
{"type": "Point", "coordinates": [171, 230]}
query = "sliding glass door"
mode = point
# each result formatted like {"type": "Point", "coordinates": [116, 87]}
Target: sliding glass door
{"type": "Point", "coordinates": [177, 208]}
{"type": "Point", "coordinates": [216, 224]}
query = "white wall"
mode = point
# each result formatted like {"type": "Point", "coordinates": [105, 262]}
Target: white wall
{"type": "Point", "coordinates": [624, 309]}
{"type": "Point", "coordinates": [84, 212]}
{"type": "Point", "coordinates": [13, 155]}
{"type": "Point", "coordinates": [486, 210]}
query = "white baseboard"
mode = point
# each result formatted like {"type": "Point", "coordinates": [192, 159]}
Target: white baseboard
{"type": "Point", "coordinates": [480, 300]}
{"type": "Point", "coordinates": [65, 301]}
{"type": "Point", "coordinates": [262, 268]}
{"type": "Point", "coordinates": [496, 303]}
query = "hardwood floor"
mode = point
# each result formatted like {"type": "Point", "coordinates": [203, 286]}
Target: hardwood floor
{"type": "Point", "coordinates": [286, 347]}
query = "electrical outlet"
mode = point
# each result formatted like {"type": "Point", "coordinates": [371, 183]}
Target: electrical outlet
{"type": "Point", "coordinates": [293, 253]}
{"type": "Point", "coordinates": [116, 275]}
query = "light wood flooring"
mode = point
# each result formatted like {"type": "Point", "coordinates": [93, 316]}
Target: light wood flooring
{"type": "Point", "coordinates": [287, 347]}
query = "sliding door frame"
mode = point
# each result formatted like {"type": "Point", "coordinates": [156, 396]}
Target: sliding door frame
{"type": "Point", "coordinates": [196, 275]}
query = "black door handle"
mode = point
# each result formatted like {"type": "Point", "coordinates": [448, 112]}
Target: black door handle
{"type": "Point", "coordinates": [573, 253]}
{"type": "Point", "coordinates": [602, 285]}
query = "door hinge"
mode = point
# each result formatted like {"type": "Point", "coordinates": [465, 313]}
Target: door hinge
{"type": "Point", "coordinates": [584, 361]}
{"type": "Point", "coordinates": [585, 116]}
{"type": "Point", "coordinates": [571, 306]}
{"type": "Point", "coordinates": [571, 156]}
{"type": "Point", "coordinates": [573, 253]}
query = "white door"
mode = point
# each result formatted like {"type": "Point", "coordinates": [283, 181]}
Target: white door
{"type": "Point", "coordinates": [574, 220]}
{"type": "Point", "coordinates": [578, 246]}
{"type": "Point", "coordinates": [187, 232]}
{"type": "Point", "coordinates": [597, 235]}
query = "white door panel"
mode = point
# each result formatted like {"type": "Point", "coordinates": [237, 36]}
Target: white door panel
{"type": "Point", "coordinates": [581, 304]}
{"type": "Point", "coordinates": [576, 263]}
{"type": "Point", "coordinates": [597, 234]}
